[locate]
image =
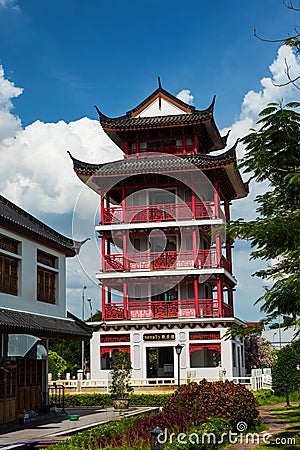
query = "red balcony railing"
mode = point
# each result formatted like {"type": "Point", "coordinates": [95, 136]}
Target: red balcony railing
{"type": "Point", "coordinates": [164, 261]}
{"type": "Point", "coordinates": [165, 310]}
{"type": "Point", "coordinates": [160, 212]}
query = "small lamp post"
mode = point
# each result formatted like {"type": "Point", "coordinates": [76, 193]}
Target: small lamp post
{"type": "Point", "coordinates": [178, 349]}
{"type": "Point", "coordinates": [156, 443]}
{"type": "Point", "coordinates": [89, 300]}
{"type": "Point", "coordinates": [82, 342]}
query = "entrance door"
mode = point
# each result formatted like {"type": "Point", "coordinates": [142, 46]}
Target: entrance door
{"type": "Point", "coordinates": [160, 362]}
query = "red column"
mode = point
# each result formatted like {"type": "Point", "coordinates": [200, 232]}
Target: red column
{"type": "Point", "coordinates": [228, 245]}
{"type": "Point", "coordinates": [124, 252]}
{"type": "Point", "coordinates": [196, 295]}
{"type": "Point", "coordinates": [126, 148]}
{"type": "Point", "coordinates": [123, 205]}
{"type": "Point", "coordinates": [193, 204]}
{"type": "Point", "coordinates": [230, 300]}
{"type": "Point", "coordinates": [216, 199]}
{"type": "Point", "coordinates": [103, 253]}
{"type": "Point", "coordinates": [125, 300]}
{"type": "Point", "coordinates": [195, 250]}
{"type": "Point", "coordinates": [195, 143]}
{"type": "Point", "coordinates": [103, 302]}
{"type": "Point", "coordinates": [217, 214]}
{"type": "Point", "coordinates": [183, 143]}
{"type": "Point", "coordinates": [220, 297]}
{"type": "Point", "coordinates": [102, 211]}
{"type": "Point", "coordinates": [137, 146]}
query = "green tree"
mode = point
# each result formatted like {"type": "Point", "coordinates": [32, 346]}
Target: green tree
{"type": "Point", "coordinates": [70, 351]}
{"type": "Point", "coordinates": [121, 374]}
{"type": "Point", "coordinates": [284, 370]}
{"type": "Point", "coordinates": [272, 154]}
{"type": "Point", "coordinates": [56, 364]}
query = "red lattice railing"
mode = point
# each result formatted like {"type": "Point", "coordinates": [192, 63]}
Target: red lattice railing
{"type": "Point", "coordinates": [164, 261]}
{"type": "Point", "coordinates": [154, 309]}
{"type": "Point", "coordinates": [160, 212]}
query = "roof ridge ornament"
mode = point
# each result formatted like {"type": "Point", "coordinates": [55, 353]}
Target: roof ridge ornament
{"type": "Point", "coordinates": [159, 83]}
{"type": "Point", "coordinates": [212, 105]}
{"type": "Point", "coordinates": [100, 114]}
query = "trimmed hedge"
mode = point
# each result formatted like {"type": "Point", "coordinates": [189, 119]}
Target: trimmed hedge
{"type": "Point", "coordinates": [104, 400]}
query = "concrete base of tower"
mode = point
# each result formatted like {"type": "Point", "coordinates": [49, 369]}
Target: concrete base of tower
{"type": "Point", "coordinates": [206, 353]}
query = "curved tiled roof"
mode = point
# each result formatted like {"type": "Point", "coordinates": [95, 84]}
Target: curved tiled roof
{"type": "Point", "coordinates": [15, 218]}
{"type": "Point", "coordinates": [153, 163]}
{"type": "Point", "coordinates": [136, 123]}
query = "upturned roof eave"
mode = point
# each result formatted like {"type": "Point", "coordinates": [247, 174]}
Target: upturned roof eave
{"type": "Point", "coordinates": [14, 218]}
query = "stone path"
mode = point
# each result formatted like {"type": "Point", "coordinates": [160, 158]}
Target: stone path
{"type": "Point", "coordinates": [274, 424]}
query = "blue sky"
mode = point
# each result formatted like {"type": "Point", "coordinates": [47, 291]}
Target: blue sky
{"type": "Point", "coordinates": [69, 55]}
{"type": "Point", "coordinates": [58, 58]}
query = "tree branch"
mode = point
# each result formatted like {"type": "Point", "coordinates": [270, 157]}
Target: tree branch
{"type": "Point", "coordinates": [296, 36]}
{"type": "Point", "coordinates": [290, 79]}
{"type": "Point", "coordinates": [290, 5]}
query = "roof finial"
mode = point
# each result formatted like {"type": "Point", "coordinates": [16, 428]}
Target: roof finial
{"type": "Point", "coordinates": [159, 82]}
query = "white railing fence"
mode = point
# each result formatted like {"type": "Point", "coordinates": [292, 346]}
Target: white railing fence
{"type": "Point", "coordinates": [260, 379]}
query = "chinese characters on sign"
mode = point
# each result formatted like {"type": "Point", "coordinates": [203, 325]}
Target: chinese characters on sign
{"type": "Point", "coordinates": [159, 337]}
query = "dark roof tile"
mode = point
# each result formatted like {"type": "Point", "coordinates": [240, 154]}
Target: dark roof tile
{"type": "Point", "coordinates": [12, 321]}
{"type": "Point", "coordinates": [15, 218]}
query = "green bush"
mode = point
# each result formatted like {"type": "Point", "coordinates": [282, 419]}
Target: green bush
{"type": "Point", "coordinates": [284, 370]}
{"type": "Point", "coordinates": [207, 436]}
{"type": "Point", "coordinates": [227, 400]}
{"type": "Point", "coordinates": [105, 401]}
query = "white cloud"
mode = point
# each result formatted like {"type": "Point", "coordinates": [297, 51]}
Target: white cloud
{"type": "Point", "coordinates": [254, 102]}
{"type": "Point", "coordinates": [36, 171]}
{"type": "Point", "coordinates": [10, 123]}
{"type": "Point", "coordinates": [185, 96]}
{"type": "Point", "coordinates": [9, 3]}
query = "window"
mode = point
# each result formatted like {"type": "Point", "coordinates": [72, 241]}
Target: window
{"type": "Point", "coordinates": [46, 278]}
{"type": "Point", "coordinates": [205, 355]}
{"type": "Point", "coordinates": [107, 356]}
{"type": "Point", "coordinates": [9, 265]}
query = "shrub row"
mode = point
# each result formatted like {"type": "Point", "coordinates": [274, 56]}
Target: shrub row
{"type": "Point", "coordinates": [104, 400]}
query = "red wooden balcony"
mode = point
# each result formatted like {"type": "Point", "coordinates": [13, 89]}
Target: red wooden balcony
{"type": "Point", "coordinates": [160, 213]}
{"type": "Point", "coordinates": [165, 310]}
{"type": "Point", "coordinates": [164, 261]}
{"type": "Point", "coordinates": [169, 149]}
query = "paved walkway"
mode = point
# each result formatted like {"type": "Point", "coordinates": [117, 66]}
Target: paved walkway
{"type": "Point", "coordinates": [55, 426]}
{"type": "Point", "coordinates": [274, 424]}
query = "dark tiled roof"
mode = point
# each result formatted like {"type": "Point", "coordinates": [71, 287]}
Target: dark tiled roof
{"type": "Point", "coordinates": [136, 123]}
{"type": "Point", "coordinates": [12, 321]}
{"type": "Point", "coordinates": [15, 218]}
{"type": "Point", "coordinates": [155, 164]}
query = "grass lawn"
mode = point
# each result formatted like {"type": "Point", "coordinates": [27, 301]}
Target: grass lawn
{"type": "Point", "coordinates": [290, 439]}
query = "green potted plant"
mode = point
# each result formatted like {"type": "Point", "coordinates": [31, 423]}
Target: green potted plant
{"type": "Point", "coordinates": [121, 374]}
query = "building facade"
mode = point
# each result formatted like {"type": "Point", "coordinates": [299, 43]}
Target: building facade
{"type": "Point", "coordinates": [166, 263]}
{"type": "Point", "coordinates": [32, 307]}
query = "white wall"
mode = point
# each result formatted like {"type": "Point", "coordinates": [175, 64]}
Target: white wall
{"type": "Point", "coordinates": [26, 300]}
{"type": "Point", "coordinates": [138, 353]}
{"type": "Point", "coordinates": [167, 109]}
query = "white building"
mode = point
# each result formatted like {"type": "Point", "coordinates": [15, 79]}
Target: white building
{"type": "Point", "coordinates": [32, 307]}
